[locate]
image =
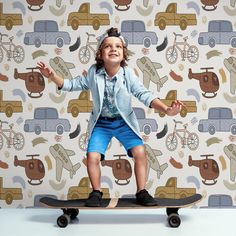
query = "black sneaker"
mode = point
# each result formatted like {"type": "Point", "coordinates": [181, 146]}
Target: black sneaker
{"type": "Point", "coordinates": [145, 199]}
{"type": "Point", "coordinates": [94, 199]}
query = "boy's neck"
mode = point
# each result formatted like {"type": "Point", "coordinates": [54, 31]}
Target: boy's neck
{"type": "Point", "coordinates": [111, 70]}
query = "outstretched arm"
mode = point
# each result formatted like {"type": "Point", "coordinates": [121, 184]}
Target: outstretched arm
{"type": "Point", "coordinates": [173, 110]}
{"type": "Point", "coordinates": [49, 73]}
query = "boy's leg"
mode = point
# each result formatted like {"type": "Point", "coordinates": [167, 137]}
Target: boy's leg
{"type": "Point", "coordinates": [94, 173]}
{"type": "Point", "coordinates": [140, 169]}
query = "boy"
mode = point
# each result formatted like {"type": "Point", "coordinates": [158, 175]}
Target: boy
{"type": "Point", "coordinates": [111, 84]}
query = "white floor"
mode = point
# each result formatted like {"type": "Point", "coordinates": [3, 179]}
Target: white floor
{"type": "Point", "coordinates": [42, 222]}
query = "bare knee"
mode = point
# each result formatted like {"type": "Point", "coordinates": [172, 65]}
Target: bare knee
{"type": "Point", "coordinates": [139, 153]}
{"type": "Point", "coordinates": [93, 158]}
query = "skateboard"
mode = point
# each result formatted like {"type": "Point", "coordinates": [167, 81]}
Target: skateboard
{"type": "Point", "coordinates": [71, 208]}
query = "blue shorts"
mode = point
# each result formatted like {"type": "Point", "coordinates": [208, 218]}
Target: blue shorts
{"type": "Point", "coordinates": [105, 130]}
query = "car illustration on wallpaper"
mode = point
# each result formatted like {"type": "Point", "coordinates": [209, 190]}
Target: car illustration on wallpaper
{"type": "Point", "coordinates": [219, 32]}
{"type": "Point", "coordinates": [171, 17]}
{"type": "Point", "coordinates": [46, 119]}
{"type": "Point", "coordinates": [84, 17]}
{"type": "Point", "coordinates": [219, 201]}
{"type": "Point", "coordinates": [146, 125]}
{"type": "Point", "coordinates": [46, 32]}
{"type": "Point", "coordinates": [81, 104]}
{"type": "Point", "coordinates": [219, 119]}
{"type": "Point", "coordinates": [134, 32]}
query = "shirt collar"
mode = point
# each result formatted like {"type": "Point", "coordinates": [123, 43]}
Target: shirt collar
{"type": "Point", "coordinates": [102, 71]}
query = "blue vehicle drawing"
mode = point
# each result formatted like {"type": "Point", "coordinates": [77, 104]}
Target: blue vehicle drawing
{"type": "Point", "coordinates": [146, 125]}
{"type": "Point", "coordinates": [46, 119]}
{"type": "Point", "coordinates": [46, 32]}
{"type": "Point", "coordinates": [219, 32]}
{"type": "Point", "coordinates": [219, 119]}
{"type": "Point", "coordinates": [134, 32]}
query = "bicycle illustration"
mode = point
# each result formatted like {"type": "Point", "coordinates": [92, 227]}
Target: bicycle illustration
{"type": "Point", "coordinates": [14, 139]}
{"type": "Point", "coordinates": [12, 51]}
{"type": "Point", "coordinates": [185, 49]}
{"type": "Point", "coordinates": [186, 138]}
{"type": "Point", "coordinates": [85, 51]}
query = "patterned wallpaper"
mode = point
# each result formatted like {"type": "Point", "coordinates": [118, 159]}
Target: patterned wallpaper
{"type": "Point", "coordinates": [179, 49]}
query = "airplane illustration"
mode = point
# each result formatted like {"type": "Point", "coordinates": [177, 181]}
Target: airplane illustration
{"type": "Point", "coordinates": [149, 70]}
{"type": "Point", "coordinates": [153, 163]}
{"type": "Point", "coordinates": [230, 152]}
{"type": "Point", "coordinates": [62, 68]}
{"type": "Point", "coordinates": [61, 156]}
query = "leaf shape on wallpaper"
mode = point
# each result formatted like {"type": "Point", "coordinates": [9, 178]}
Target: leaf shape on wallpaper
{"type": "Point", "coordinates": [223, 162]}
{"type": "Point", "coordinates": [195, 93]}
{"type": "Point", "coordinates": [48, 161]}
{"type": "Point", "coordinates": [39, 53]}
{"type": "Point", "coordinates": [57, 99]}
{"type": "Point", "coordinates": [39, 140]}
{"type": "Point", "coordinates": [20, 93]}
{"type": "Point", "coordinates": [213, 53]}
{"type": "Point", "coordinates": [229, 98]}
{"type": "Point", "coordinates": [230, 186]}
{"type": "Point", "coordinates": [212, 141]}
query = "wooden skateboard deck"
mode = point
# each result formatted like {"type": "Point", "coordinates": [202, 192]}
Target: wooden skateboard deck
{"type": "Point", "coordinates": [71, 207]}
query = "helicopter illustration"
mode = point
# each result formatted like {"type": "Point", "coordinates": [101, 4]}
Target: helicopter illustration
{"type": "Point", "coordinates": [34, 168]}
{"type": "Point", "coordinates": [34, 81]}
{"type": "Point", "coordinates": [121, 169]}
{"type": "Point", "coordinates": [35, 3]}
{"type": "Point", "coordinates": [122, 3]}
{"type": "Point", "coordinates": [209, 5]}
{"type": "Point", "coordinates": [209, 169]}
{"type": "Point", "coordinates": [209, 82]}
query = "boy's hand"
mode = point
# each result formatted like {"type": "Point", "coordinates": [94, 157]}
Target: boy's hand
{"type": "Point", "coordinates": [175, 108]}
{"type": "Point", "coordinates": [45, 70]}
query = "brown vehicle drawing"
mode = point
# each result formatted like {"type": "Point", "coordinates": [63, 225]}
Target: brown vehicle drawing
{"type": "Point", "coordinates": [84, 17]}
{"type": "Point", "coordinates": [209, 82]}
{"type": "Point", "coordinates": [171, 17]}
{"type": "Point", "coordinates": [35, 3]}
{"type": "Point", "coordinates": [209, 5]}
{"type": "Point", "coordinates": [10, 194]}
{"type": "Point", "coordinates": [83, 190]}
{"type": "Point", "coordinates": [189, 106]}
{"type": "Point", "coordinates": [81, 104]}
{"type": "Point", "coordinates": [34, 81]}
{"type": "Point", "coordinates": [9, 107]}
{"type": "Point", "coordinates": [209, 169]}
{"type": "Point", "coordinates": [121, 169]}
{"type": "Point", "coordinates": [170, 190]}
{"type": "Point", "coordinates": [9, 19]}
{"type": "Point", "coordinates": [34, 168]}
{"type": "Point", "coordinates": [122, 5]}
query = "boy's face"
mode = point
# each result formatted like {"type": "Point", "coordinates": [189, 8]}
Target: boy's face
{"type": "Point", "coordinates": [112, 51]}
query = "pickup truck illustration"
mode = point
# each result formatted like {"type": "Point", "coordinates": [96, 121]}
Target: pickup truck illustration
{"type": "Point", "coordinates": [10, 194]}
{"type": "Point", "coordinates": [9, 107]}
{"type": "Point", "coordinates": [219, 119]}
{"type": "Point", "coordinates": [46, 119]}
{"type": "Point", "coordinates": [171, 17]}
{"type": "Point", "coordinates": [9, 19]}
{"type": "Point", "coordinates": [81, 104]}
{"type": "Point", "coordinates": [146, 125]}
{"type": "Point", "coordinates": [190, 106]}
{"type": "Point", "coordinates": [134, 32]}
{"type": "Point", "coordinates": [219, 32]}
{"type": "Point", "coordinates": [83, 190]}
{"type": "Point", "coordinates": [170, 190]}
{"type": "Point", "coordinates": [84, 17]}
{"type": "Point", "coordinates": [46, 32]}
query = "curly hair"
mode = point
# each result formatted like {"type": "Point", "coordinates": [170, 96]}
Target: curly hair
{"type": "Point", "coordinates": [112, 32]}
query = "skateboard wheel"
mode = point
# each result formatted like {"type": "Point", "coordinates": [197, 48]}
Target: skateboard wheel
{"type": "Point", "coordinates": [73, 213]}
{"type": "Point", "coordinates": [174, 220]}
{"type": "Point", "coordinates": [171, 210]}
{"type": "Point", "coordinates": [63, 220]}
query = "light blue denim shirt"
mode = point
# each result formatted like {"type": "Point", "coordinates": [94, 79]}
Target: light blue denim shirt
{"type": "Point", "coordinates": [127, 84]}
